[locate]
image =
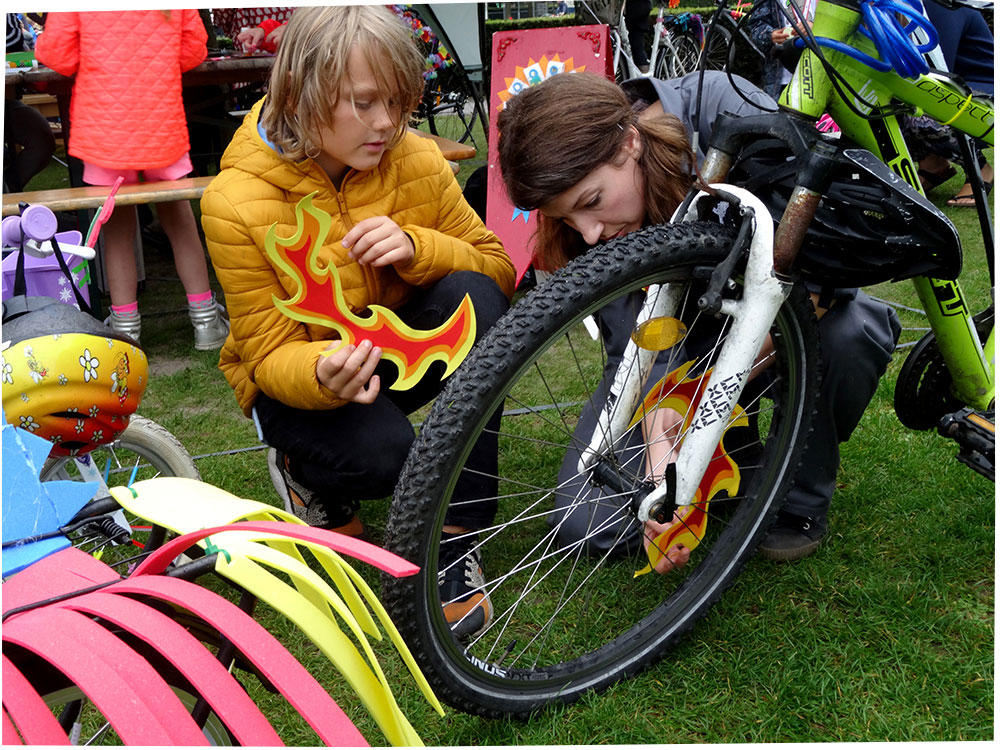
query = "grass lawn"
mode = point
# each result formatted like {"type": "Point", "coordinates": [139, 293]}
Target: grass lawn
{"type": "Point", "coordinates": [885, 634]}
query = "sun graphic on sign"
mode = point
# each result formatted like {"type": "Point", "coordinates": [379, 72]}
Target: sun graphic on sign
{"type": "Point", "coordinates": [534, 73]}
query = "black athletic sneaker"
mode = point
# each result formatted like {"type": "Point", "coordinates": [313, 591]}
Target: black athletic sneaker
{"type": "Point", "coordinates": [792, 537]}
{"type": "Point", "coordinates": [462, 585]}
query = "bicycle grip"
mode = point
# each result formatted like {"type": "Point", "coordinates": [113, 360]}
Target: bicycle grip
{"type": "Point", "coordinates": [39, 223]}
{"type": "Point", "coordinates": [10, 231]}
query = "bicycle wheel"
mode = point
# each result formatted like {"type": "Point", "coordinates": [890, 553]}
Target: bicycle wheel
{"type": "Point", "coordinates": [717, 41]}
{"type": "Point", "coordinates": [84, 723]}
{"type": "Point", "coordinates": [453, 106]}
{"type": "Point", "coordinates": [686, 51]}
{"type": "Point", "coordinates": [569, 616]}
{"type": "Point", "coordinates": [143, 451]}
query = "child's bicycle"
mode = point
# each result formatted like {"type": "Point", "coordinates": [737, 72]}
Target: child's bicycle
{"type": "Point", "coordinates": [842, 211]}
{"type": "Point", "coordinates": [73, 381]}
{"type": "Point", "coordinates": [663, 55]}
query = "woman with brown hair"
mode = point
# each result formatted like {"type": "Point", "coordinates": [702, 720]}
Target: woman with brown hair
{"type": "Point", "coordinates": [598, 162]}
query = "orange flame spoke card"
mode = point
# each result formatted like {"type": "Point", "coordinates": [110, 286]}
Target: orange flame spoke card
{"type": "Point", "coordinates": [677, 391]}
{"type": "Point", "coordinates": [319, 300]}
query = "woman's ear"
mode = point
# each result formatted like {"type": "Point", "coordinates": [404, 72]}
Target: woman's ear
{"type": "Point", "coordinates": [632, 145]}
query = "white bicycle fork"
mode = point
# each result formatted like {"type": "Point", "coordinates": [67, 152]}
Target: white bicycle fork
{"type": "Point", "coordinates": [763, 294]}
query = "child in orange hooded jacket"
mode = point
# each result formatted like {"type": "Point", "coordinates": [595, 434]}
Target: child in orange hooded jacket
{"type": "Point", "coordinates": [127, 117]}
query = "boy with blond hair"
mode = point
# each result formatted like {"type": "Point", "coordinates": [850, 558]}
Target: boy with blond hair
{"type": "Point", "coordinates": [333, 126]}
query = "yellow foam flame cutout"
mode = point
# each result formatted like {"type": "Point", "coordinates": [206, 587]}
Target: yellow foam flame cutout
{"type": "Point", "coordinates": [676, 391]}
{"type": "Point", "coordinates": [185, 505]}
{"type": "Point", "coordinates": [319, 300]}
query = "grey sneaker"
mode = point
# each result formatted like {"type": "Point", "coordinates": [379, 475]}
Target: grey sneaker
{"type": "Point", "coordinates": [211, 327]}
{"type": "Point", "coordinates": [462, 586]}
{"type": "Point", "coordinates": [130, 326]}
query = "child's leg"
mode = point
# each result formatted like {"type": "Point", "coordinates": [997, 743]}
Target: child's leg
{"type": "Point", "coordinates": [179, 223]}
{"type": "Point", "coordinates": [428, 310]}
{"type": "Point", "coordinates": [210, 327]}
{"type": "Point", "coordinates": [341, 457]}
{"type": "Point", "coordinates": [119, 256]}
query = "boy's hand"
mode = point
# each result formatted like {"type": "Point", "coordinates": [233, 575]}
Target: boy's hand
{"type": "Point", "coordinates": [378, 241]}
{"type": "Point", "coordinates": [348, 371]}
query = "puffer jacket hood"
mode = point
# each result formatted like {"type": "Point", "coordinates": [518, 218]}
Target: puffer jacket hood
{"type": "Point", "coordinates": [257, 189]}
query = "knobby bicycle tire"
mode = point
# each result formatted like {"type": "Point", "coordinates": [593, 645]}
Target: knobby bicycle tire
{"type": "Point", "coordinates": [145, 450]}
{"type": "Point", "coordinates": [566, 621]}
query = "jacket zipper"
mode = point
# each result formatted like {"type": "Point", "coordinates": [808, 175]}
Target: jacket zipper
{"type": "Point", "coordinates": [366, 272]}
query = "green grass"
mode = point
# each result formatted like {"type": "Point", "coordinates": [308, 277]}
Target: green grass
{"type": "Point", "coordinates": [885, 634]}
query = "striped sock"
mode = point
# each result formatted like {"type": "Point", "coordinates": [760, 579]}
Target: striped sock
{"type": "Point", "coordinates": [200, 301]}
{"type": "Point", "coordinates": [130, 310]}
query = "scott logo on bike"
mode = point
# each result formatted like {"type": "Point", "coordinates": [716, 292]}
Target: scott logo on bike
{"type": "Point", "coordinates": [949, 297]}
{"type": "Point", "coordinates": [805, 70]}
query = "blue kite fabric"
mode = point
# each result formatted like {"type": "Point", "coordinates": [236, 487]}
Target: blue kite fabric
{"type": "Point", "coordinates": [30, 506]}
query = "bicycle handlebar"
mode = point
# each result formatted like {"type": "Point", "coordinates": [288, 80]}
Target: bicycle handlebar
{"type": "Point", "coordinates": [35, 233]}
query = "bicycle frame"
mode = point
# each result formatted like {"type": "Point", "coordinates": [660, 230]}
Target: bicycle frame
{"type": "Point", "coordinates": [622, 49]}
{"type": "Point", "coordinates": [811, 94]}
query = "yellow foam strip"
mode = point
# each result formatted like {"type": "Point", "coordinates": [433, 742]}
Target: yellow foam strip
{"type": "Point", "coordinates": [184, 505]}
{"type": "Point", "coordinates": [171, 502]}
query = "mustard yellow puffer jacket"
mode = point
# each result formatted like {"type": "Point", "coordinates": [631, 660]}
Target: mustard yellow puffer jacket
{"type": "Point", "coordinates": [413, 185]}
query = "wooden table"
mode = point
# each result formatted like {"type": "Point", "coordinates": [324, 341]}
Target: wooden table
{"type": "Point", "coordinates": [215, 71]}
{"type": "Point", "coordinates": [93, 196]}
{"type": "Point", "coordinates": [211, 72]}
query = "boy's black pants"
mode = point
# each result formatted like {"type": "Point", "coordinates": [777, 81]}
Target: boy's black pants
{"type": "Point", "coordinates": [356, 452]}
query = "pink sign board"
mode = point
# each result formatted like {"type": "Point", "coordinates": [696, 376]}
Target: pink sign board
{"type": "Point", "coordinates": [521, 59]}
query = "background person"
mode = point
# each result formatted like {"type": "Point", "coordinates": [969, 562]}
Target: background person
{"type": "Point", "coordinates": [128, 119]}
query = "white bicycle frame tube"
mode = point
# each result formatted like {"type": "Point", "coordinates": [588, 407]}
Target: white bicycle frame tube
{"type": "Point", "coordinates": [90, 473]}
{"type": "Point", "coordinates": [763, 294]}
{"type": "Point", "coordinates": [623, 49]}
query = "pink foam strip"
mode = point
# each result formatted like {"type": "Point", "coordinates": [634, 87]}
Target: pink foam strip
{"type": "Point", "coordinates": [67, 570]}
{"type": "Point", "coordinates": [125, 688]}
{"type": "Point", "coordinates": [382, 559]}
{"type": "Point", "coordinates": [10, 736]}
{"type": "Point", "coordinates": [261, 648]}
{"type": "Point", "coordinates": [210, 679]}
{"type": "Point", "coordinates": [27, 709]}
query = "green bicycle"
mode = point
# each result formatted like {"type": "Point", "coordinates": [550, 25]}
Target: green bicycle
{"type": "Point", "coordinates": [845, 211]}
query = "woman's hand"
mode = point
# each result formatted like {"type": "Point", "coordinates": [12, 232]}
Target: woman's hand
{"type": "Point", "coordinates": [348, 371]}
{"type": "Point", "coordinates": [275, 36]}
{"type": "Point", "coordinates": [250, 39]}
{"type": "Point", "coordinates": [676, 556]}
{"type": "Point", "coordinates": [378, 241]}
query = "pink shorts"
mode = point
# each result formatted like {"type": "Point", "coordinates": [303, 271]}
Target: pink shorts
{"type": "Point", "coordinates": [95, 175]}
